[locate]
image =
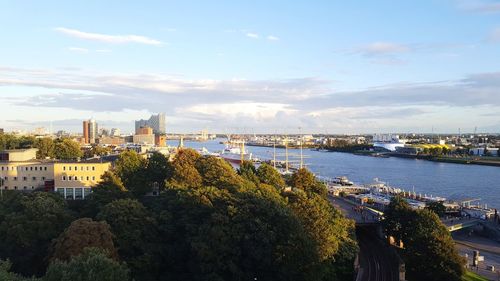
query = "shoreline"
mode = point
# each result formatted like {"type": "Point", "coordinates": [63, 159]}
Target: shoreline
{"type": "Point", "coordinates": [462, 161]}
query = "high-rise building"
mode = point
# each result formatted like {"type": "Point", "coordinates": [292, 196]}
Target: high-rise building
{"type": "Point", "coordinates": [90, 130]}
{"type": "Point", "coordinates": [144, 131]}
{"type": "Point", "coordinates": [86, 131]}
{"type": "Point", "coordinates": [157, 122]}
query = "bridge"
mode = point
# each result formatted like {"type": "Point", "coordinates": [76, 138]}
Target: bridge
{"type": "Point", "coordinates": [364, 215]}
{"type": "Point", "coordinates": [457, 224]}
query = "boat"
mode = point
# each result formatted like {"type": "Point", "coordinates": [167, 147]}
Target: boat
{"type": "Point", "coordinates": [342, 181]}
{"type": "Point", "coordinates": [235, 152]}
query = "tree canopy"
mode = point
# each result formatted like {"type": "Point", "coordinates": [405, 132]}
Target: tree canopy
{"type": "Point", "coordinates": [67, 149]}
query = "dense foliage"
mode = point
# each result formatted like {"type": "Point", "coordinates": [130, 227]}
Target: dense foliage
{"type": "Point", "coordinates": [429, 250]}
{"type": "Point", "coordinates": [210, 222]}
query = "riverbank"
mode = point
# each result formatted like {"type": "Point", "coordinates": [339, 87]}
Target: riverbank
{"type": "Point", "coordinates": [486, 161]}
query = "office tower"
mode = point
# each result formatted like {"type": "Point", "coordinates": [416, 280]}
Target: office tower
{"type": "Point", "coordinates": [86, 131]}
{"type": "Point", "coordinates": [157, 122]}
{"type": "Point", "coordinates": [90, 131]}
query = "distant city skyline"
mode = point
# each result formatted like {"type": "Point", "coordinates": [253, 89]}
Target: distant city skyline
{"type": "Point", "coordinates": [252, 67]}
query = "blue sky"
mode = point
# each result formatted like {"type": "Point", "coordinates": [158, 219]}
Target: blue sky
{"type": "Point", "coordinates": [252, 66]}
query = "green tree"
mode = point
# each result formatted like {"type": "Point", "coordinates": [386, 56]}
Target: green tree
{"type": "Point", "coordinates": [92, 264]}
{"type": "Point", "coordinates": [131, 168]}
{"type": "Point", "coordinates": [183, 172]}
{"type": "Point", "coordinates": [108, 189]}
{"type": "Point", "coordinates": [215, 234]}
{"type": "Point", "coordinates": [248, 172]}
{"type": "Point", "coordinates": [305, 180]}
{"type": "Point", "coordinates": [269, 175]}
{"type": "Point", "coordinates": [158, 169]}
{"type": "Point", "coordinates": [83, 233]}
{"type": "Point", "coordinates": [218, 173]}
{"type": "Point", "coordinates": [135, 236]}
{"type": "Point", "coordinates": [437, 207]}
{"type": "Point", "coordinates": [67, 149]}
{"type": "Point", "coordinates": [429, 251]}
{"type": "Point", "coordinates": [97, 150]}
{"type": "Point", "coordinates": [46, 148]}
{"type": "Point", "coordinates": [29, 224]}
{"type": "Point", "coordinates": [332, 234]}
{"type": "Point", "coordinates": [6, 275]}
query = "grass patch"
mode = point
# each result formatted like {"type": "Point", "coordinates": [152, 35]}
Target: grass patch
{"type": "Point", "coordinates": [471, 276]}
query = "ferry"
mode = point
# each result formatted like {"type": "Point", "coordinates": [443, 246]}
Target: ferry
{"type": "Point", "coordinates": [234, 152]}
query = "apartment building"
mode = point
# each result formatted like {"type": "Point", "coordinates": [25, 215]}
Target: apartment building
{"type": "Point", "coordinates": [20, 170]}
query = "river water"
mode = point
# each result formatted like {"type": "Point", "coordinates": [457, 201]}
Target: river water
{"type": "Point", "coordinates": [453, 181]}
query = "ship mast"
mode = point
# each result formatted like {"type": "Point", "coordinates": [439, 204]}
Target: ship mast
{"type": "Point", "coordinates": [274, 152]}
{"type": "Point", "coordinates": [301, 155]}
{"type": "Point", "coordinates": [286, 154]}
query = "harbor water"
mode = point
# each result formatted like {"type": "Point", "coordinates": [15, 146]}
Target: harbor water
{"type": "Point", "coordinates": [453, 181]}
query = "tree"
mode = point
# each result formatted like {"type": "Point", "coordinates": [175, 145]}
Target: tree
{"type": "Point", "coordinates": [216, 234]}
{"type": "Point", "coordinates": [158, 169]}
{"type": "Point", "coordinates": [108, 189]}
{"type": "Point", "coordinates": [269, 175]}
{"type": "Point", "coordinates": [248, 172]}
{"type": "Point", "coordinates": [429, 251]}
{"type": "Point", "coordinates": [305, 180]}
{"type": "Point", "coordinates": [437, 207]}
{"type": "Point", "coordinates": [135, 236]}
{"type": "Point", "coordinates": [332, 234]}
{"type": "Point", "coordinates": [131, 168]}
{"type": "Point", "coordinates": [67, 149]}
{"type": "Point", "coordinates": [46, 148]}
{"type": "Point", "coordinates": [30, 223]}
{"type": "Point", "coordinates": [218, 173]}
{"type": "Point", "coordinates": [92, 264]}
{"type": "Point", "coordinates": [183, 172]}
{"type": "Point", "coordinates": [83, 233]}
{"type": "Point", "coordinates": [6, 275]}
{"type": "Point", "coordinates": [97, 150]}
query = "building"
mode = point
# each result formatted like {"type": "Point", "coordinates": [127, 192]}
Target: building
{"type": "Point", "coordinates": [115, 132]}
{"type": "Point", "coordinates": [157, 122]}
{"type": "Point", "coordinates": [145, 130]}
{"type": "Point", "coordinates": [160, 140]}
{"type": "Point", "coordinates": [116, 140]}
{"type": "Point", "coordinates": [388, 142]}
{"type": "Point", "coordinates": [19, 170]}
{"type": "Point", "coordinates": [90, 131]}
{"type": "Point", "coordinates": [1, 131]}
{"type": "Point", "coordinates": [144, 139]}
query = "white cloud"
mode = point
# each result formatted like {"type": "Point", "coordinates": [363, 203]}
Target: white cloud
{"type": "Point", "coordinates": [272, 38]}
{"type": "Point", "coordinates": [383, 48]}
{"type": "Point", "coordinates": [487, 7]}
{"type": "Point", "coordinates": [253, 35]}
{"type": "Point", "coordinates": [116, 39]}
{"type": "Point", "coordinates": [78, 50]}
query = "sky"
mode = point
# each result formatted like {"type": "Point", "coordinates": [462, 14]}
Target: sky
{"type": "Point", "coordinates": [260, 66]}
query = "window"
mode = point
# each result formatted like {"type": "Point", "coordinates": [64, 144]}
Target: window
{"type": "Point", "coordinates": [93, 168]}
{"type": "Point", "coordinates": [81, 168]}
{"type": "Point", "coordinates": [93, 178]}
{"type": "Point", "coordinates": [33, 178]}
{"type": "Point", "coordinates": [43, 178]}
{"type": "Point", "coordinates": [70, 178]}
{"type": "Point", "coordinates": [32, 187]}
{"type": "Point", "coordinates": [25, 187]}
{"type": "Point", "coordinates": [64, 178]}
{"type": "Point", "coordinates": [31, 168]}
{"type": "Point", "coordinates": [25, 178]}
{"type": "Point", "coordinates": [81, 178]}
{"type": "Point", "coordinates": [60, 191]}
{"type": "Point", "coordinates": [64, 168]}
{"type": "Point", "coordinates": [6, 178]}
{"type": "Point", "coordinates": [76, 178]}
{"type": "Point", "coordinates": [87, 168]}
{"type": "Point", "coordinates": [76, 168]}
{"type": "Point", "coordinates": [88, 178]}
{"type": "Point", "coordinates": [36, 168]}
{"type": "Point", "coordinates": [69, 193]}
{"type": "Point", "coordinates": [78, 193]}
{"type": "Point", "coordinates": [15, 178]}
{"type": "Point", "coordinates": [45, 168]}
{"type": "Point", "coordinates": [69, 168]}
{"type": "Point", "coordinates": [2, 168]}
{"type": "Point", "coordinates": [15, 187]}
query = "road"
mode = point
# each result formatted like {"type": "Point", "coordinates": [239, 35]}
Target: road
{"type": "Point", "coordinates": [376, 263]}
